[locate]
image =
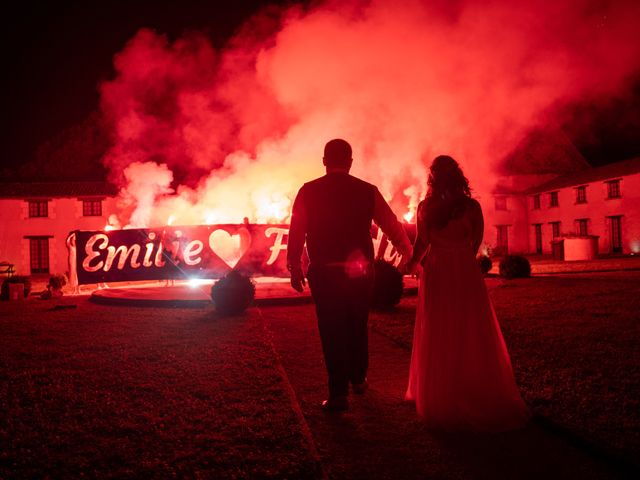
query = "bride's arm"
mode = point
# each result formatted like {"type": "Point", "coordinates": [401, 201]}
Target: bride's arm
{"type": "Point", "coordinates": [422, 240]}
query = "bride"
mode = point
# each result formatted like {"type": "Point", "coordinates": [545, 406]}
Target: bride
{"type": "Point", "coordinates": [460, 375]}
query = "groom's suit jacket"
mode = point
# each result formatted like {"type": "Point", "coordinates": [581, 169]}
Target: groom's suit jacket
{"type": "Point", "coordinates": [333, 214]}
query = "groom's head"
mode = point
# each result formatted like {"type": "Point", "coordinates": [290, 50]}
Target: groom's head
{"type": "Point", "coordinates": [337, 155]}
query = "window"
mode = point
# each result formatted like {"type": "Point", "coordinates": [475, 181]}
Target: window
{"type": "Point", "coordinates": [92, 208]}
{"type": "Point", "coordinates": [536, 202]}
{"type": "Point", "coordinates": [581, 194]}
{"type": "Point", "coordinates": [555, 229]}
{"type": "Point", "coordinates": [615, 233]}
{"type": "Point", "coordinates": [39, 254]}
{"type": "Point", "coordinates": [583, 226]}
{"type": "Point", "coordinates": [502, 240]}
{"type": "Point", "coordinates": [613, 189]}
{"type": "Point", "coordinates": [501, 203]}
{"type": "Point", "coordinates": [538, 233]}
{"type": "Point", "coordinates": [38, 208]}
{"type": "Point", "coordinates": [553, 199]}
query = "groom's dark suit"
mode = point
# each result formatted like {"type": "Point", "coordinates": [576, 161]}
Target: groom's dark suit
{"type": "Point", "coordinates": [333, 214]}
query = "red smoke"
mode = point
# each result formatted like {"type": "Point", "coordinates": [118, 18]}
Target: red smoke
{"type": "Point", "coordinates": [241, 129]}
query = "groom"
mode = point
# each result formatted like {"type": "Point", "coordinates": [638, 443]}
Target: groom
{"type": "Point", "coordinates": [333, 214]}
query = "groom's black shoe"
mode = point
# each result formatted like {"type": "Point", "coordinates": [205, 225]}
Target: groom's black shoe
{"type": "Point", "coordinates": [360, 388]}
{"type": "Point", "coordinates": [335, 404]}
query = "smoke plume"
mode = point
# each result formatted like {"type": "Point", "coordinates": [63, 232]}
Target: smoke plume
{"type": "Point", "coordinates": [239, 130]}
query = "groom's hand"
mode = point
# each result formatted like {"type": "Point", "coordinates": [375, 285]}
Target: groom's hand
{"type": "Point", "coordinates": [412, 268]}
{"type": "Point", "coordinates": [402, 265]}
{"type": "Point", "coordinates": [298, 282]}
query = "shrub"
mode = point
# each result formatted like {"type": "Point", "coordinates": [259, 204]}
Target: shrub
{"type": "Point", "coordinates": [4, 290]}
{"type": "Point", "coordinates": [56, 282]}
{"type": "Point", "coordinates": [388, 286]}
{"type": "Point", "coordinates": [515, 266]}
{"type": "Point", "coordinates": [233, 293]}
{"type": "Point", "coordinates": [485, 263]}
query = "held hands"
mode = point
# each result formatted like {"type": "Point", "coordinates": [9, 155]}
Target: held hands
{"type": "Point", "coordinates": [411, 267]}
{"type": "Point", "coordinates": [298, 282]}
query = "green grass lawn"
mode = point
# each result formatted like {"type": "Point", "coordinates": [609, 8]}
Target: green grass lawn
{"type": "Point", "coordinates": [143, 393]}
{"type": "Point", "coordinates": [574, 344]}
{"type": "Point", "coordinates": [116, 392]}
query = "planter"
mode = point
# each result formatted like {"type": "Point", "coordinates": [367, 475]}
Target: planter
{"type": "Point", "coordinates": [16, 291]}
{"type": "Point", "coordinates": [581, 248]}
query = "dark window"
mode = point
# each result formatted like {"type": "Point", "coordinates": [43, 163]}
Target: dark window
{"type": "Point", "coordinates": [615, 231]}
{"type": "Point", "coordinates": [39, 254]}
{"type": "Point", "coordinates": [92, 208]}
{"type": "Point", "coordinates": [538, 231]}
{"type": "Point", "coordinates": [581, 194]}
{"type": "Point", "coordinates": [501, 203]}
{"type": "Point", "coordinates": [553, 199]}
{"type": "Point", "coordinates": [583, 226]}
{"type": "Point", "coordinates": [555, 229]}
{"type": "Point", "coordinates": [38, 208]}
{"type": "Point", "coordinates": [502, 241]}
{"type": "Point", "coordinates": [613, 189]}
{"type": "Point", "coordinates": [536, 202]}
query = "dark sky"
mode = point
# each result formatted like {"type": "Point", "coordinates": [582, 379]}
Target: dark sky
{"type": "Point", "coordinates": [55, 53]}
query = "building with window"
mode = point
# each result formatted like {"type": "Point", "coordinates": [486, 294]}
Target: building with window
{"type": "Point", "coordinates": [536, 202]}
{"type": "Point", "coordinates": [524, 213]}
{"type": "Point", "coordinates": [36, 218]}
{"type": "Point", "coordinates": [581, 194]}
{"type": "Point", "coordinates": [600, 201]}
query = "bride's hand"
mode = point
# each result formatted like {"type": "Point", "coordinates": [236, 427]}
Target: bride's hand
{"type": "Point", "coordinates": [411, 268]}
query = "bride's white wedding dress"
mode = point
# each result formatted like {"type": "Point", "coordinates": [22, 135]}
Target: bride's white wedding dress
{"type": "Point", "coordinates": [461, 376]}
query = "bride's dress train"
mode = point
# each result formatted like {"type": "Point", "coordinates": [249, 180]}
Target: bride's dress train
{"type": "Point", "coordinates": [461, 376]}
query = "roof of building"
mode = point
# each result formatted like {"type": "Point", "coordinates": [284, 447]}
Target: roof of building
{"type": "Point", "coordinates": [57, 189]}
{"type": "Point", "coordinates": [543, 151]}
{"type": "Point", "coordinates": [594, 174]}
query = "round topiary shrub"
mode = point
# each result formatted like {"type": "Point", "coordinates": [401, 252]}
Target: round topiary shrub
{"type": "Point", "coordinates": [388, 286]}
{"type": "Point", "coordinates": [4, 290]}
{"type": "Point", "coordinates": [233, 293]}
{"type": "Point", "coordinates": [485, 263]}
{"type": "Point", "coordinates": [515, 266]}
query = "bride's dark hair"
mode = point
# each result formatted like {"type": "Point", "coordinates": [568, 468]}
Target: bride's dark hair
{"type": "Point", "coordinates": [448, 193]}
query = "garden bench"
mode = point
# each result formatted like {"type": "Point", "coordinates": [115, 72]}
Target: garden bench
{"type": "Point", "coordinates": [6, 268]}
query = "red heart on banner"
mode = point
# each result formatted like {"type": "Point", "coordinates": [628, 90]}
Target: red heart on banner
{"type": "Point", "coordinates": [229, 247]}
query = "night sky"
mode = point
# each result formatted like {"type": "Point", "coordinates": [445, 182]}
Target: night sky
{"type": "Point", "coordinates": [56, 53]}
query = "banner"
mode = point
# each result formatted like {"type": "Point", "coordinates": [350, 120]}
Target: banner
{"type": "Point", "coordinates": [188, 252]}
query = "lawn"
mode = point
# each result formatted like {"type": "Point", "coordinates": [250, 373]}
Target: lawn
{"type": "Point", "coordinates": [143, 393]}
{"type": "Point", "coordinates": [574, 342]}
{"type": "Point", "coordinates": [114, 392]}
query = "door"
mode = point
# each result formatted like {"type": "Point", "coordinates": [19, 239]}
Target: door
{"type": "Point", "coordinates": [502, 241]}
{"type": "Point", "coordinates": [538, 230]}
{"type": "Point", "coordinates": [39, 254]}
{"type": "Point", "coordinates": [615, 233]}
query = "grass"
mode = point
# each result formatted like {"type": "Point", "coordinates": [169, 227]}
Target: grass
{"type": "Point", "coordinates": [112, 392]}
{"type": "Point", "coordinates": [544, 264]}
{"type": "Point", "coordinates": [143, 393]}
{"type": "Point", "coordinates": [573, 342]}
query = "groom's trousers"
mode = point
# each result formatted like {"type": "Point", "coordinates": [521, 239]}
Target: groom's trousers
{"type": "Point", "coordinates": [342, 308]}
